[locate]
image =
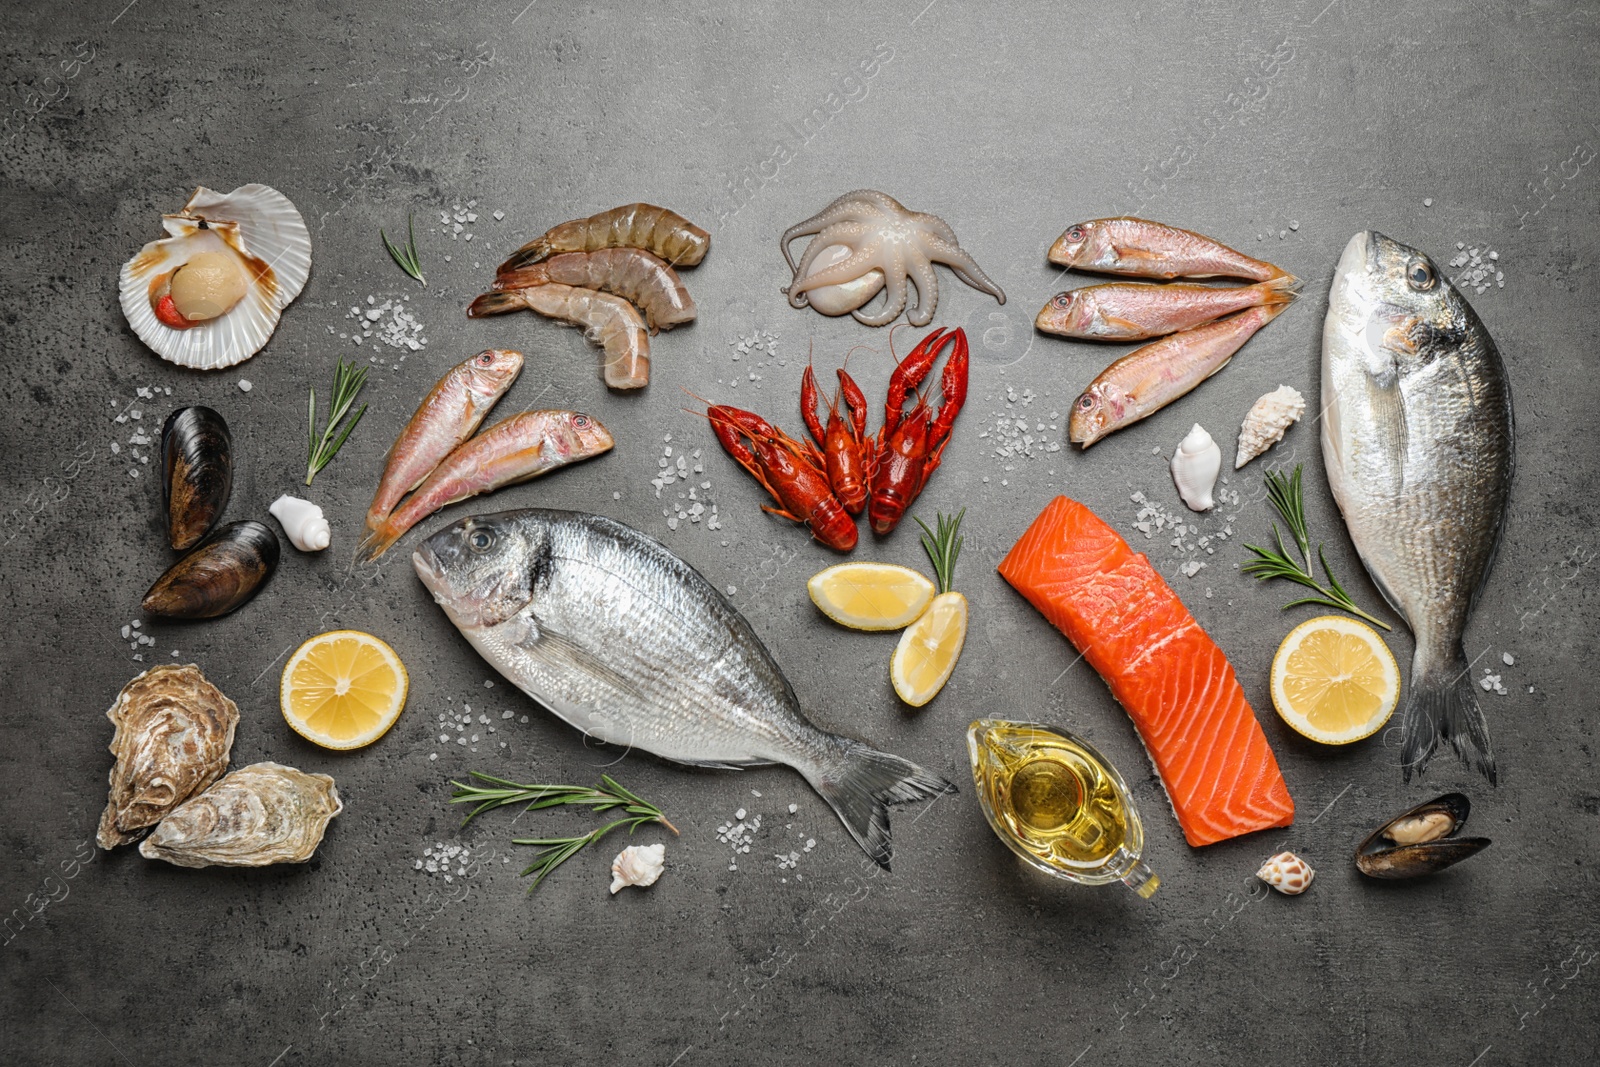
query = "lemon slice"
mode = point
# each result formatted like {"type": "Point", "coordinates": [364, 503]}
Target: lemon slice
{"type": "Point", "coordinates": [343, 689]}
{"type": "Point", "coordinates": [928, 650]}
{"type": "Point", "coordinates": [870, 596]}
{"type": "Point", "coordinates": [1334, 680]}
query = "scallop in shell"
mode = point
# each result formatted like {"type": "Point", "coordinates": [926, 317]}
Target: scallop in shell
{"type": "Point", "coordinates": [210, 294]}
{"type": "Point", "coordinates": [197, 457]}
{"type": "Point", "coordinates": [174, 734]}
{"type": "Point", "coordinates": [217, 575]}
{"type": "Point", "coordinates": [258, 815]}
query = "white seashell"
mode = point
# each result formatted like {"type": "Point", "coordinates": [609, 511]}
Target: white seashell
{"type": "Point", "coordinates": [254, 224]}
{"type": "Point", "coordinates": [1287, 873]}
{"type": "Point", "coordinates": [303, 522]}
{"type": "Point", "coordinates": [1269, 419]}
{"type": "Point", "coordinates": [1195, 466]}
{"type": "Point", "coordinates": [845, 297]}
{"type": "Point", "coordinates": [638, 865]}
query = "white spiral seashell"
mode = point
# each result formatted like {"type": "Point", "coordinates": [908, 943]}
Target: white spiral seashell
{"type": "Point", "coordinates": [638, 865]}
{"type": "Point", "coordinates": [1195, 466]}
{"type": "Point", "coordinates": [1269, 419]}
{"type": "Point", "coordinates": [1287, 873]}
{"type": "Point", "coordinates": [303, 522]}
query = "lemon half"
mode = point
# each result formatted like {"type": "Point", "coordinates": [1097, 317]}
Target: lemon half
{"type": "Point", "coordinates": [343, 689]}
{"type": "Point", "coordinates": [928, 650]}
{"type": "Point", "coordinates": [871, 596]}
{"type": "Point", "coordinates": [1334, 680]}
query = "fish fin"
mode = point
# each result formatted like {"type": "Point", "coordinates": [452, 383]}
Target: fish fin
{"type": "Point", "coordinates": [1388, 407]}
{"type": "Point", "coordinates": [376, 543]}
{"type": "Point", "coordinates": [561, 651]}
{"type": "Point", "coordinates": [1123, 327]}
{"type": "Point", "coordinates": [724, 765]}
{"type": "Point", "coordinates": [1280, 290]}
{"type": "Point", "coordinates": [1142, 262]}
{"type": "Point", "coordinates": [860, 783]}
{"type": "Point", "coordinates": [1443, 707]}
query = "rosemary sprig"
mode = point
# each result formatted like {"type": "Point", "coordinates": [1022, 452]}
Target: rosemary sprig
{"type": "Point", "coordinates": [554, 851]}
{"type": "Point", "coordinates": [943, 546]}
{"type": "Point", "coordinates": [405, 258]}
{"type": "Point", "coordinates": [347, 382]}
{"type": "Point", "coordinates": [1288, 500]}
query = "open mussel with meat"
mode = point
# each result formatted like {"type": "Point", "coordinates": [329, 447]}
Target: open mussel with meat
{"type": "Point", "coordinates": [217, 575]}
{"type": "Point", "coordinates": [1421, 841]}
{"type": "Point", "coordinates": [257, 815]}
{"type": "Point", "coordinates": [197, 460]}
{"type": "Point", "coordinates": [174, 733]}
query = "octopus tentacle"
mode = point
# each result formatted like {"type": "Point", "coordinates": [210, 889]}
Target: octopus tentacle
{"type": "Point", "coordinates": [965, 267]}
{"type": "Point", "coordinates": [927, 291]}
{"type": "Point", "coordinates": [843, 209]}
{"type": "Point", "coordinates": [797, 297]}
{"type": "Point", "coordinates": [894, 289]}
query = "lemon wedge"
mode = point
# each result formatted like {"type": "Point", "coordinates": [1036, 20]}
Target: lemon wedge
{"type": "Point", "coordinates": [870, 596]}
{"type": "Point", "coordinates": [928, 650]}
{"type": "Point", "coordinates": [343, 689]}
{"type": "Point", "coordinates": [1334, 680]}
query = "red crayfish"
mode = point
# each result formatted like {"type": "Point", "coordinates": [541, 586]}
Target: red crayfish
{"type": "Point", "coordinates": [846, 471]}
{"type": "Point", "coordinates": [911, 443]}
{"type": "Point", "coordinates": [786, 468]}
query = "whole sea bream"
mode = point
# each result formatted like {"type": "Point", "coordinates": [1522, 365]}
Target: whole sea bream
{"type": "Point", "coordinates": [630, 644]}
{"type": "Point", "coordinates": [1417, 437]}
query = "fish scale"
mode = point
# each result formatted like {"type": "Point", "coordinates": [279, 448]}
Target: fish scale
{"type": "Point", "coordinates": [628, 643]}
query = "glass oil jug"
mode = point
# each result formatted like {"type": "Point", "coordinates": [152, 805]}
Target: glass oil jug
{"type": "Point", "coordinates": [1058, 804]}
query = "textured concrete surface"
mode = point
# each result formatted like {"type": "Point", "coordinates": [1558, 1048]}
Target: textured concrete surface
{"type": "Point", "coordinates": [1281, 128]}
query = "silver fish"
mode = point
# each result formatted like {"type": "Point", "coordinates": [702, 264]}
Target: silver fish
{"type": "Point", "coordinates": [1417, 436]}
{"type": "Point", "coordinates": [627, 642]}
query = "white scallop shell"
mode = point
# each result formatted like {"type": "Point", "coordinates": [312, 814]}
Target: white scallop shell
{"type": "Point", "coordinates": [1195, 466]}
{"type": "Point", "coordinates": [255, 222]}
{"type": "Point", "coordinates": [1269, 419]}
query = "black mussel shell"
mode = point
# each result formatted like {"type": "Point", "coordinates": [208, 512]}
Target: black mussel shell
{"type": "Point", "coordinates": [217, 575]}
{"type": "Point", "coordinates": [197, 455]}
{"type": "Point", "coordinates": [1381, 857]}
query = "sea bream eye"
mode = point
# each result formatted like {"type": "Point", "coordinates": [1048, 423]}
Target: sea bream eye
{"type": "Point", "coordinates": [480, 540]}
{"type": "Point", "coordinates": [1419, 275]}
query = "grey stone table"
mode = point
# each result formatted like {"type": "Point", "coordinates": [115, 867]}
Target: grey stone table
{"type": "Point", "coordinates": [1464, 127]}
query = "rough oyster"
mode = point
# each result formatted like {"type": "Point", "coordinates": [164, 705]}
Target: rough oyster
{"type": "Point", "coordinates": [210, 295]}
{"type": "Point", "coordinates": [174, 734]}
{"type": "Point", "coordinates": [1420, 841]}
{"type": "Point", "coordinates": [258, 815]}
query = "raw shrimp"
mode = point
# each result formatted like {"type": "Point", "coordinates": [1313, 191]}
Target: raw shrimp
{"type": "Point", "coordinates": [655, 229]}
{"type": "Point", "coordinates": [608, 321]}
{"type": "Point", "coordinates": [631, 273]}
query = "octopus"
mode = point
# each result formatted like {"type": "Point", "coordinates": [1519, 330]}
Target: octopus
{"type": "Point", "coordinates": [866, 242]}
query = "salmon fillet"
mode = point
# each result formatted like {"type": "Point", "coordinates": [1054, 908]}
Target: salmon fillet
{"type": "Point", "coordinates": [1176, 684]}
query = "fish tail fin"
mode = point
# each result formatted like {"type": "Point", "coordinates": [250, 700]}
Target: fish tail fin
{"type": "Point", "coordinates": [377, 542]}
{"type": "Point", "coordinates": [860, 783]}
{"type": "Point", "coordinates": [1279, 290]}
{"type": "Point", "coordinates": [1443, 707]}
{"type": "Point", "coordinates": [497, 302]}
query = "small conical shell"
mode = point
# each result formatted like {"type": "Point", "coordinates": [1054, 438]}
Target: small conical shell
{"type": "Point", "coordinates": [303, 521]}
{"type": "Point", "coordinates": [1287, 873]}
{"type": "Point", "coordinates": [258, 815]}
{"type": "Point", "coordinates": [638, 865]}
{"type": "Point", "coordinates": [174, 733]}
{"type": "Point", "coordinates": [1195, 466]}
{"type": "Point", "coordinates": [262, 230]}
{"type": "Point", "coordinates": [1269, 419]}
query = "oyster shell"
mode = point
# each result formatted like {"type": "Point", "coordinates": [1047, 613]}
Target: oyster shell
{"type": "Point", "coordinates": [174, 734]}
{"type": "Point", "coordinates": [258, 815]}
{"type": "Point", "coordinates": [253, 233]}
{"type": "Point", "coordinates": [1420, 841]}
{"type": "Point", "coordinates": [217, 575]}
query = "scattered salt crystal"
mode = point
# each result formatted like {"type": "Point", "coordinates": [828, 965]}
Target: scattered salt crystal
{"type": "Point", "coordinates": [498, 215]}
{"type": "Point", "coordinates": [244, 385]}
{"type": "Point", "coordinates": [739, 814]}
{"type": "Point", "coordinates": [1427, 201]}
{"type": "Point", "coordinates": [1506, 657]}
